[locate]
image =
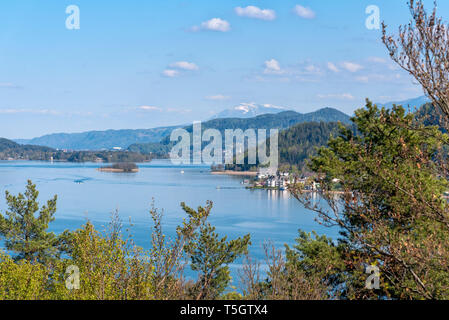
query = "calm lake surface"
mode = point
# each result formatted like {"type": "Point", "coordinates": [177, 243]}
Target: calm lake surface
{"type": "Point", "coordinates": [266, 215]}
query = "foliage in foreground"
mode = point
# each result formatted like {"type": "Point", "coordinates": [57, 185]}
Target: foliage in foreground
{"type": "Point", "coordinates": [391, 212]}
{"type": "Point", "coordinates": [89, 265]}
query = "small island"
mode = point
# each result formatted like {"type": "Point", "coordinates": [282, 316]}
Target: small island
{"type": "Point", "coordinates": [120, 167]}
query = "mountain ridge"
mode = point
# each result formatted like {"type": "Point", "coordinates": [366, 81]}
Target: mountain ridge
{"type": "Point", "coordinates": [412, 103]}
{"type": "Point", "coordinates": [124, 138]}
{"type": "Point", "coordinates": [99, 139]}
{"type": "Point", "coordinates": [282, 120]}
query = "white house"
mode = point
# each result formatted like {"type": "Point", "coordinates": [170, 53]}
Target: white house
{"type": "Point", "coordinates": [266, 172]}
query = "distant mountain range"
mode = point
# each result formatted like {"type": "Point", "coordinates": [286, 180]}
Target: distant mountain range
{"type": "Point", "coordinates": [243, 116]}
{"type": "Point", "coordinates": [413, 104]}
{"type": "Point", "coordinates": [99, 140]}
{"type": "Point", "coordinates": [109, 139]}
{"type": "Point", "coordinates": [282, 120]}
{"type": "Point", "coordinates": [249, 110]}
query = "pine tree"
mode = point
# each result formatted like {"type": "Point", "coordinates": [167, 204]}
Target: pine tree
{"type": "Point", "coordinates": [24, 232]}
{"type": "Point", "coordinates": [391, 210]}
{"type": "Point", "coordinates": [210, 256]}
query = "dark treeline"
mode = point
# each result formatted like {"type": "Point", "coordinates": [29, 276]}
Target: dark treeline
{"type": "Point", "coordinates": [296, 145]}
{"type": "Point", "coordinates": [301, 142]}
{"type": "Point", "coordinates": [104, 156]}
{"type": "Point", "coordinates": [12, 150]}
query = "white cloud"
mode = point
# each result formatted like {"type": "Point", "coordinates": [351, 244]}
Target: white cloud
{"type": "Point", "coordinates": [332, 67]}
{"type": "Point", "coordinates": [351, 67]}
{"type": "Point", "coordinates": [268, 105]}
{"type": "Point", "coordinates": [347, 96]}
{"type": "Point", "coordinates": [9, 85]}
{"type": "Point", "coordinates": [215, 24]}
{"type": "Point", "coordinates": [175, 69]}
{"type": "Point", "coordinates": [305, 71]}
{"type": "Point", "coordinates": [304, 12]}
{"type": "Point", "coordinates": [363, 79]}
{"type": "Point", "coordinates": [256, 13]}
{"type": "Point", "coordinates": [377, 60]}
{"type": "Point", "coordinates": [341, 96]}
{"type": "Point", "coordinates": [272, 67]}
{"type": "Point", "coordinates": [149, 108]}
{"type": "Point", "coordinates": [393, 67]}
{"type": "Point", "coordinates": [218, 97]}
{"type": "Point", "coordinates": [170, 73]}
{"type": "Point", "coordinates": [49, 112]}
{"type": "Point", "coordinates": [184, 65]}
{"type": "Point", "coordinates": [31, 111]}
{"type": "Point", "coordinates": [273, 64]}
{"type": "Point", "coordinates": [384, 77]}
{"type": "Point", "coordinates": [158, 109]}
{"type": "Point", "coordinates": [312, 69]}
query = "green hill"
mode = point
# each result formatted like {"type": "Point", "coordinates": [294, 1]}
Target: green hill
{"type": "Point", "coordinates": [12, 150]}
{"type": "Point", "coordinates": [297, 144]}
{"type": "Point", "coordinates": [282, 120]}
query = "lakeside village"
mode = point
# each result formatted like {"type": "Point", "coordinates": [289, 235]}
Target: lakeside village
{"type": "Point", "coordinates": [272, 179]}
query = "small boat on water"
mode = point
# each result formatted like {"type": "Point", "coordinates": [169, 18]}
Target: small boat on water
{"type": "Point", "coordinates": [182, 171]}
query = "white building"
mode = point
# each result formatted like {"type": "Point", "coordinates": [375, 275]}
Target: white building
{"type": "Point", "coordinates": [266, 172]}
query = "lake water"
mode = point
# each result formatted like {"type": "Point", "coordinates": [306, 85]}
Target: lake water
{"type": "Point", "coordinates": [267, 215]}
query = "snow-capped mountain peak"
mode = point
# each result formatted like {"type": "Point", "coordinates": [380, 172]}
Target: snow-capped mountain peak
{"type": "Point", "coordinates": [249, 110]}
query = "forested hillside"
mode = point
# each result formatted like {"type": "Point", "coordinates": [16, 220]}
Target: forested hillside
{"type": "Point", "coordinates": [11, 149]}
{"type": "Point", "coordinates": [297, 144]}
{"type": "Point", "coordinates": [280, 121]}
{"type": "Point", "coordinates": [300, 142]}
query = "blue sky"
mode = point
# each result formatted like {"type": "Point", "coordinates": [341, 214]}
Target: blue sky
{"type": "Point", "coordinates": [143, 64]}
